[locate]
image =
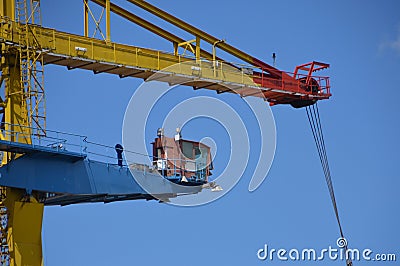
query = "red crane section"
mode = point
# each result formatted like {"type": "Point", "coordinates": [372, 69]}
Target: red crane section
{"type": "Point", "coordinates": [278, 87]}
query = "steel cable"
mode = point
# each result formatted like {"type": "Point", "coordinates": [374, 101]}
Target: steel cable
{"type": "Point", "coordinates": [316, 128]}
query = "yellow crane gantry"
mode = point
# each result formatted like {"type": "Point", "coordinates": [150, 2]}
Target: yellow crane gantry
{"type": "Point", "coordinates": [26, 47]}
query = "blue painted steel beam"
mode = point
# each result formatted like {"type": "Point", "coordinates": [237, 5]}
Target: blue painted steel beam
{"type": "Point", "coordinates": [78, 179]}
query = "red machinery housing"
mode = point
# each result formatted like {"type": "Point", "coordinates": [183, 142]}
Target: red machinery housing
{"type": "Point", "coordinates": [298, 89]}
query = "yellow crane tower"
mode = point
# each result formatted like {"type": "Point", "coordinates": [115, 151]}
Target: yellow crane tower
{"type": "Point", "coordinates": [26, 47]}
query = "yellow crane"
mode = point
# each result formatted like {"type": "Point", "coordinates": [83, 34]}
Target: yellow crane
{"type": "Point", "coordinates": [26, 47]}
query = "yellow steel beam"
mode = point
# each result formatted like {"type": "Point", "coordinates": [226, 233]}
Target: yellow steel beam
{"type": "Point", "coordinates": [77, 51]}
{"type": "Point", "coordinates": [77, 46]}
{"type": "Point", "coordinates": [139, 21]}
{"type": "Point", "coordinates": [150, 26]}
{"type": "Point", "coordinates": [206, 37]}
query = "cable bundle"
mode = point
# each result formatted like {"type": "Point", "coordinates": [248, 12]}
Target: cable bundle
{"type": "Point", "coordinates": [316, 128]}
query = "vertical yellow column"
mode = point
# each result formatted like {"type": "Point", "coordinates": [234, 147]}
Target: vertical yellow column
{"type": "Point", "coordinates": [197, 48]}
{"type": "Point", "coordinates": [175, 48]}
{"type": "Point", "coordinates": [24, 214]}
{"type": "Point", "coordinates": [86, 18]}
{"type": "Point", "coordinates": [24, 228]}
{"type": "Point", "coordinates": [24, 218]}
{"type": "Point", "coordinates": [7, 9]}
{"type": "Point", "coordinates": [108, 34]}
{"type": "Point", "coordinates": [16, 112]}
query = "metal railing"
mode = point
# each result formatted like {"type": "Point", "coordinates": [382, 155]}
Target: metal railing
{"type": "Point", "coordinates": [54, 139]}
{"type": "Point", "coordinates": [180, 168]}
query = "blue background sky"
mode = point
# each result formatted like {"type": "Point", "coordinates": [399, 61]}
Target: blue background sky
{"type": "Point", "coordinates": [292, 209]}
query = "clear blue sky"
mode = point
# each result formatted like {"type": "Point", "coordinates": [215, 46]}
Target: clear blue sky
{"type": "Point", "coordinates": [291, 209]}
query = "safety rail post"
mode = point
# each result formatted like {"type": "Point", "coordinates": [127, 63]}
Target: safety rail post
{"type": "Point", "coordinates": [297, 82]}
{"type": "Point", "coordinates": [80, 144]}
{"type": "Point", "coordinates": [222, 70]}
{"type": "Point", "coordinates": [322, 84]}
{"type": "Point", "coordinates": [262, 77]}
{"type": "Point", "coordinates": [328, 86]}
{"type": "Point", "coordinates": [137, 56]}
{"type": "Point", "coordinates": [57, 137]}
{"type": "Point", "coordinates": [54, 38]}
{"type": "Point", "coordinates": [115, 56]}
{"type": "Point", "coordinates": [158, 60]}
